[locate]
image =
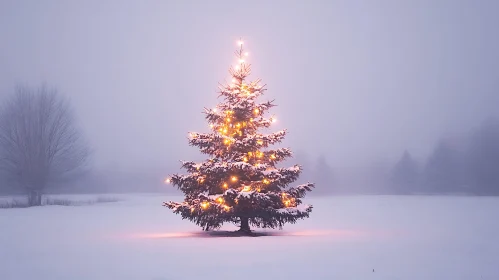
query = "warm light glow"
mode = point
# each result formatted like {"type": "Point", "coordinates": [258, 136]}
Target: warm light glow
{"type": "Point", "coordinates": [226, 141]}
{"type": "Point", "coordinates": [228, 119]}
{"type": "Point", "coordinates": [192, 209]}
{"type": "Point", "coordinates": [205, 205]}
{"type": "Point", "coordinates": [246, 53]}
{"type": "Point", "coordinates": [220, 200]}
{"type": "Point", "coordinates": [233, 80]}
{"type": "Point", "coordinates": [225, 185]}
{"type": "Point", "coordinates": [260, 154]}
{"type": "Point", "coordinates": [227, 208]}
{"type": "Point", "coordinates": [245, 159]}
{"type": "Point", "coordinates": [272, 156]}
{"type": "Point", "coordinates": [259, 142]}
{"type": "Point", "coordinates": [274, 120]}
{"type": "Point", "coordinates": [224, 130]}
{"type": "Point", "coordinates": [168, 180]}
{"type": "Point", "coordinates": [257, 111]}
{"type": "Point", "coordinates": [246, 189]}
{"type": "Point", "coordinates": [266, 181]}
{"type": "Point", "coordinates": [238, 124]}
{"type": "Point", "coordinates": [211, 125]}
{"type": "Point", "coordinates": [214, 110]}
{"type": "Point", "coordinates": [240, 42]}
{"type": "Point", "coordinates": [234, 179]}
{"type": "Point", "coordinates": [250, 154]}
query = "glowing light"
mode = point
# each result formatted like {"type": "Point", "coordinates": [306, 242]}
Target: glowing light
{"type": "Point", "coordinates": [233, 80]}
{"type": "Point", "coordinates": [246, 53]}
{"type": "Point", "coordinates": [246, 188]}
{"type": "Point", "coordinates": [273, 156]}
{"type": "Point", "coordinates": [233, 179]}
{"type": "Point", "coordinates": [237, 67]}
{"type": "Point", "coordinates": [227, 208]}
{"type": "Point", "coordinates": [226, 141]}
{"type": "Point", "coordinates": [240, 42]}
{"type": "Point", "coordinates": [228, 119]}
{"type": "Point", "coordinates": [258, 189]}
{"type": "Point", "coordinates": [274, 120]}
{"type": "Point", "coordinates": [192, 209]}
{"type": "Point", "coordinates": [266, 181]}
{"type": "Point", "coordinates": [168, 180]}
{"type": "Point", "coordinates": [224, 130]}
{"type": "Point", "coordinates": [225, 185]}
{"type": "Point", "coordinates": [260, 154]}
{"type": "Point", "coordinates": [214, 110]}
{"type": "Point", "coordinates": [211, 125]}
{"type": "Point", "coordinates": [241, 61]}
{"type": "Point", "coordinates": [257, 111]}
{"type": "Point", "coordinates": [259, 142]}
{"type": "Point", "coordinates": [205, 205]}
{"type": "Point", "coordinates": [220, 200]}
{"type": "Point", "coordinates": [250, 154]}
{"type": "Point", "coordinates": [238, 124]}
{"type": "Point", "coordinates": [245, 159]}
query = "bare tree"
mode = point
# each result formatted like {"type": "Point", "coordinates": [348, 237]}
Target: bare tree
{"type": "Point", "coordinates": [39, 140]}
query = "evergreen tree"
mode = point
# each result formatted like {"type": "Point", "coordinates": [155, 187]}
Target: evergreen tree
{"type": "Point", "coordinates": [405, 176]}
{"type": "Point", "coordinates": [240, 182]}
{"type": "Point", "coordinates": [323, 175]}
{"type": "Point", "coordinates": [443, 171]}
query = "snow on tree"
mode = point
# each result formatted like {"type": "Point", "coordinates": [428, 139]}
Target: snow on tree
{"type": "Point", "coordinates": [240, 182]}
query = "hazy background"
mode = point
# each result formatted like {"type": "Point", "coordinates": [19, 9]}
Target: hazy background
{"type": "Point", "coordinates": [357, 82]}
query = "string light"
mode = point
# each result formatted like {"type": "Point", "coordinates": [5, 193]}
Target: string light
{"type": "Point", "coordinates": [266, 181]}
{"type": "Point", "coordinates": [225, 185]}
{"type": "Point", "coordinates": [227, 208]}
{"type": "Point", "coordinates": [168, 180]}
{"type": "Point", "coordinates": [259, 142]}
{"type": "Point", "coordinates": [234, 179]}
{"type": "Point", "coordinates": [273, 156]}
{"type": "Point", "coordinates": [257, 111]}
{"type": "Point", "coordinates": [246, 188]}
{"type": "Point", "coordinates": [220, 199]}
{"type": "Point", "coordinates": [240, 42]}
{"type": "Point", "coordinates": [205, 205]}
{"type": "Point", "coordinates": [245, 159]}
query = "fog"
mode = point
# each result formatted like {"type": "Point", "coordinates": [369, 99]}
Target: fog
{"type": "Point", "coordinates": [357, 82]}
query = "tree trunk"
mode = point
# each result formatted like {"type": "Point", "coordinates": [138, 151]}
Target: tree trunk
{"type": "Point", "coordinates": [34, 198]}
{"type": "Point", "coordinates": [245, 225]}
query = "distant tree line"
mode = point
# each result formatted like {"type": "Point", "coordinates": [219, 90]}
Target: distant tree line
{"type": "Point", "coordinates": [468, 167]}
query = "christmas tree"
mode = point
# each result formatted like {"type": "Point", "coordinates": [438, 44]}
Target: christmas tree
{"type": "Point", "coordinates": [240, 183]}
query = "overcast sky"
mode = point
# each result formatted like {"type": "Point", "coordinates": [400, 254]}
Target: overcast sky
{"type": "Point", "coordinates": [354, 80]}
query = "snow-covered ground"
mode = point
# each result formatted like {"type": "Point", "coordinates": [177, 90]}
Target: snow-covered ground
{"type": "Point", "coordinates": [346, 237]}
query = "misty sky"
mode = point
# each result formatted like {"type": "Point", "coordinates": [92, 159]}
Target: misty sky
{"type": "Point", "coordinates": [354, 80]}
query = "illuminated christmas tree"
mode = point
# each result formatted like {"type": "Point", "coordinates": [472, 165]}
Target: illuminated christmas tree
{"type": "Point", "coordinates": [240, 183]}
